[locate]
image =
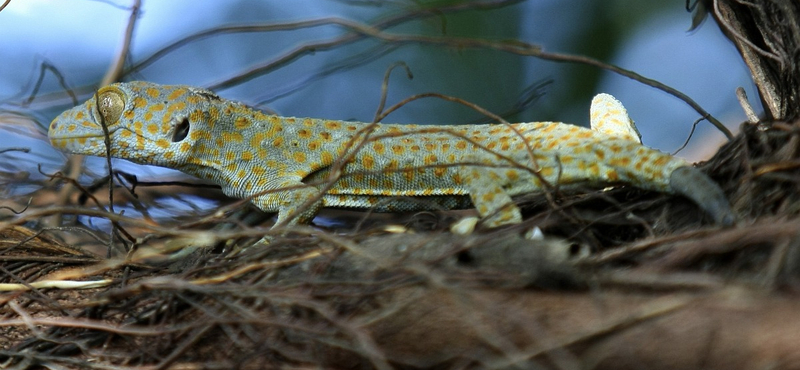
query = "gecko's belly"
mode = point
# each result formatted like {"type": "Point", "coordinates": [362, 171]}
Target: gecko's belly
{"type": "Point", "coordinates": [398, 203]}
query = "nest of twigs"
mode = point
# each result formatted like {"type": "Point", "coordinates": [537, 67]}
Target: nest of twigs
{"type": "Point", "coordinates": [623, 279]}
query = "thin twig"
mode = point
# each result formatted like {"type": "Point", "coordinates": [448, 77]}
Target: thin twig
{"type": "Point", "coordinates": [114, 72]}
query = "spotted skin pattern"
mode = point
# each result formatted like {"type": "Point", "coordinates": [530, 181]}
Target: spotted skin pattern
{"type": "Point", "coordinates": [293, 166]}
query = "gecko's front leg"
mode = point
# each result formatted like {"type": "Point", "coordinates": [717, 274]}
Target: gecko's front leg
{"type": "Point", "coordinates": [297, 204]}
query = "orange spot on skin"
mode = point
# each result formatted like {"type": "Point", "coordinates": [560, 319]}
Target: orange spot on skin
{"type": "Point", "coordinates": [594, 169]}
{"type": "Point", "coordinates": [177, 93]}
{"type": "Point", "coordinates": [379, 148]}
{"type": "Point", "coordinates": [512, 175]}
{"type": "Point", "coordinates": [430, 159]}
{"type": "Point", "coordinates": [332, 125]}
{"type": "Point", "coordinates": [368, 162]}
{"type": "Point", "coordinates": [139, 102]}
{"type": "Point", "coordinates": [247, 156]}
{"type": "Point", "coordinates": [259, 116]}
{"type": "Point", "coordinates": [152, 129]}
{"type": "Point", "coordinates": [398, 149]}
{"type": "Point", "coordinates": [408, 175]}
{"type": "Point", "coordinates": [304, 133]}
{"type": "Point", "coordinates": [176, 106]}
{"type": "Point", "coordinates": [198, 134]}
{"type": "Point", "coordinates": [242, 123]}
{"type": "Point", "coordinates": [299, 157]}
{"type": "Point", "coordinates": [325, 136]}
{"type": "Point", "coordinates": [601, 155]}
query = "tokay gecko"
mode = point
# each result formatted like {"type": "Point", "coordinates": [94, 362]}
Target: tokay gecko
{"type": "Point", "coordinates": [295, 166]}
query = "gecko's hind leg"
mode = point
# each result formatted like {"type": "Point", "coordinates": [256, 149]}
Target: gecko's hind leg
{"type": "Point", "coordinates": [486, 188]}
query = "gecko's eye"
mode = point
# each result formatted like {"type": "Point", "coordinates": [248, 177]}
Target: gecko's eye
{"type": "Point", "coordinates": [181, 131]}
{"type": "Point", "coordinates": [110, 104]}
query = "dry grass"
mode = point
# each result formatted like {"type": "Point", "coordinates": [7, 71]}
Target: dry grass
{"type": "Point", "coordinates": [659, 288]}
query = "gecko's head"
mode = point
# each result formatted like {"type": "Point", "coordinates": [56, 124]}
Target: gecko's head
{"type": "Point", "coordinates": [145, 122]}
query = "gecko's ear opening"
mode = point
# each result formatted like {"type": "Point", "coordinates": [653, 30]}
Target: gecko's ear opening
{"type": "Point", "coordinates": [110, 104]}
{"type": "Point", "coordinates": [181, 131]}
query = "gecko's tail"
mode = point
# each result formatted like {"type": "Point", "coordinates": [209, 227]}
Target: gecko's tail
{"type": "Point", "coordinates": [695, 185]}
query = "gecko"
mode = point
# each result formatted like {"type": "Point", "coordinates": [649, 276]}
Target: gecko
{"type": "Point", "coordinates": [295, 166]}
